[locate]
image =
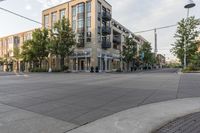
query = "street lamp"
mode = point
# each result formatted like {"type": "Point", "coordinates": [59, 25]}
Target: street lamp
{"type": "Point", "coordinates": [85, 61]}
{"type": "Point", "coordinates": [189, 5]}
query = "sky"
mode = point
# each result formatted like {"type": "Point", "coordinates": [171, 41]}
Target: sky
{"type": "Point", "coordinates": [136, 15]}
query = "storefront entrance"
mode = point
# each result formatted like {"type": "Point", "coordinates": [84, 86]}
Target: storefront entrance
{"type": "Point", "coordinates": [82, 64]}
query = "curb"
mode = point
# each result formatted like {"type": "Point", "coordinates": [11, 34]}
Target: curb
{"type": "Point", "coordinates": [143, 119]}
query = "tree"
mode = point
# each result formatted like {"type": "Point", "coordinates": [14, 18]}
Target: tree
{"type": "Point", "coordinates": [16, 56]}
{"type": "Point", "coordinates": [40, 43]}
{"type": "Point", "coordinates": [186, 34]}
{"type": "Point", "coordinates": [36, 49]}
{"type": "Point", "coordinates": [27, 53]}
{"type": "Point", "coordinates": [129, 51]}
{"type": "Point", "coordinates": [195, 60]}
{"type": "Point", "coordinates": [148, 56]}
{"type": "Point", "coordinates": [62, 41]}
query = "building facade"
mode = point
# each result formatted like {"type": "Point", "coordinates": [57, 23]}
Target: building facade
{"type": "Point", "coordinates": [7, 46]}
{"type": "Point", "coordinates": [99, 37]}
{"type": "Point", "coordinates": [161, 60]}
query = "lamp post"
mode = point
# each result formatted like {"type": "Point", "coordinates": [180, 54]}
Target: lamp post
{"type": "Point", "coordinates": [85, 61]}
{"type": "Point", "coordinates": [189, 5]}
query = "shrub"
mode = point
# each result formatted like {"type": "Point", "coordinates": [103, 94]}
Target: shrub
{"type": "Point", "coordinates": [119, 70]}
{"type": "Point", "coordinates": [56, 70]}
{"type": "Point", "coordinates": [38, 70]}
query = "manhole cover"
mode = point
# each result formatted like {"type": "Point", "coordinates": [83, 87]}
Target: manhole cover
{"type": "Point", "coordinates": [186, 124]}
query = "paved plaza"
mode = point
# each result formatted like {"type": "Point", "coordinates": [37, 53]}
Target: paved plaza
{"type": "Point", "coordinates": [74, 99]}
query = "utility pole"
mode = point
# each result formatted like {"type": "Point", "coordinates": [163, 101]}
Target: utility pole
{"type": "Point", "coordinates": [156, 42]}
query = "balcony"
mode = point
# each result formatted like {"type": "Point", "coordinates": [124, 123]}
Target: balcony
{"type": "Point", "coordinates": [106, 44]}
{"type": "Point", "coordinates": [106, 30]}
{"type": "Point", "coordinates": [99, 16]}
{"type": "Point", "coordinates": [116, 39]}
{"type": "Point", "coordinates": [106, 16]}
{"type": "Point", "coordinates": [80, 43]}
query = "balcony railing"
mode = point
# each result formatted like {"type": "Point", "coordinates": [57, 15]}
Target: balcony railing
{"type": "Point", "coordinates": [106, 16]}
{"type": "Point", "coordinates": [80, 43]}
{"type": "Point", "coordinates": [106, 44]}
{"type": "Point", "coordinates": [116, 39]}
{"type": "Point", "coordinates": [99, 16]}
{"type": "Point", "coordinates": [106, 30]}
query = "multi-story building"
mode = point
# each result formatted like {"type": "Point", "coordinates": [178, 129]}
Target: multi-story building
{"type": "Point", "coordinates": [7, 46]}
{"type": "Point", "coordinates": [161, 60]}
{"type": "Point", "coordinates": [99, 37]}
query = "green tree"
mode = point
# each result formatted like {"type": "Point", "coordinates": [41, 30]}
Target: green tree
{"type": "Point", "coordinates": [40, 44]}
{"type": "Point", "coordinates": [129, 51]}
{"type": "Point", "coordinates": [36, 49]}
{"type": "Point", "coordinates": [186, 34]}
{"type": "Point", "coordinates": [148, 56]}
{"type": "Point", "coordinates": [62, 41]}
{"type": "Point", "coordinates": [195, 59]}
{"type": "Point", "coordinates": [27, 54]}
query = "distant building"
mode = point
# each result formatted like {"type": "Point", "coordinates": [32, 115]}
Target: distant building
{"type": "Point", "coordinates": [161, 60]}
{"type": "Point", "coordinates": [7, 45]}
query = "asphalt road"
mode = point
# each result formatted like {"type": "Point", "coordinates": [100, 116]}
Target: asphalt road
{"type": "Point", "coordinates": [82, 98]}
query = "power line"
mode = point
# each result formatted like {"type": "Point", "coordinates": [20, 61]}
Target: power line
{"type": "Point", "coordinates": [24, 17]}
{"type": "Point", "coordinates": [159, 28]}
{"type": "Point", "coordinates": [20, 15]}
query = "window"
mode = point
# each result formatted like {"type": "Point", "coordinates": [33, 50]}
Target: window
{"type": "Point", "coordinates": [62, 14]}
{"type": "Point", "coordinates": [53, 19]}
{"type": "Point", "coordinates": [10, 40]}
{"type": "Point", "coordinates": [89, 6]}
{"type": "Point", "coordinates": [88, 22]}
{"type": "Point", "coordinates": [74, 11]}
{"type": "Point", "coordinates": [74, 25]}
{"type": "Point", "coordinates": [80, 23]}
{"type": "Point", "coordinates": [80, 8]}
{"type": "Point", "coordinates": [104, 9]}
{"type": "Point", "coordinates": [99, 7]}
{"type": "Point", "coordinates": [46, 21]}
{"type": "Point", "coordinates": [74, 18]}
{"type": "Point", "coordinates": [16, 40]}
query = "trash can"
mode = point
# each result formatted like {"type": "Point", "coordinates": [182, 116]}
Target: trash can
{"type": "Point", "coordinates": [92, 69]}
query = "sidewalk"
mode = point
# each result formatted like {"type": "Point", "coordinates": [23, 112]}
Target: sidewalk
{"type": "Point", "coordinates": [143, 119]}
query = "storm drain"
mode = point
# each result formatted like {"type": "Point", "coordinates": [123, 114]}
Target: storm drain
{"type": "Point", "coordinates": [186, 124]}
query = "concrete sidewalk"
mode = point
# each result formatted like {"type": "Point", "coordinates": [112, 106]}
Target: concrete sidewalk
{"type": "Point", "coordinates": [143, 119]}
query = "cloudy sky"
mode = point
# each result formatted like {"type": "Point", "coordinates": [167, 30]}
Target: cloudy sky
{"type": "Point", "coordinates": [136, 15]}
